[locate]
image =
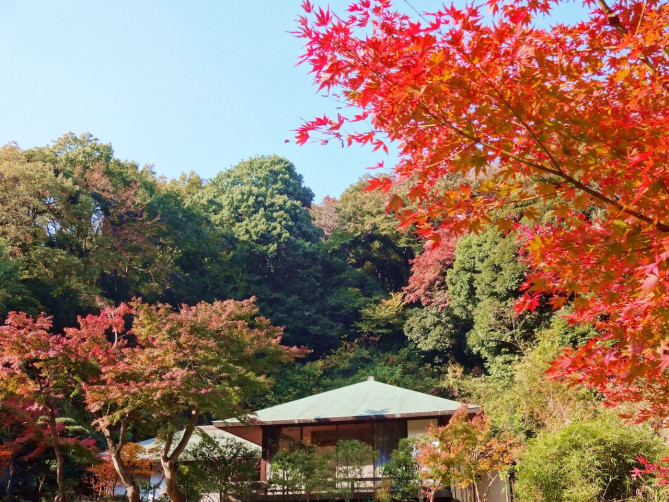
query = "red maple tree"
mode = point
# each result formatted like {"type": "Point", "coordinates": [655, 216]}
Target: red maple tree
{"type": "Point", "coordinates": [169, 367]}
{"type": "Point", "coordinates": [427, 283]}
{"type": "Point", "coordinates": [572, 118]}
{"type": "Point", "coordinates": [36, 371]}
{"type": "Point", "coordinates": [463, 453]}
{"type": "Point", "coordinates": [142, 366]}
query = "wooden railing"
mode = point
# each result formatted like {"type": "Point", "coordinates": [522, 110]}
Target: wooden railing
{"type": "Point", "coordinates": [362, 488]}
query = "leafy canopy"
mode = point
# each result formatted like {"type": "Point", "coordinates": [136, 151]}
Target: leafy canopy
{"type": "Point", "coordinates": [574, 116]}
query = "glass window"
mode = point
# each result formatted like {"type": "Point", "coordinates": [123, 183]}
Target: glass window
{"type": "Point", "coordinates": [321, 436]}
{"type": "Point", "coordinates": [387, 436]}
{"type": "Point", "coordinates": [362, 432]}
{"type": "Point", "coordinates": [282, 438]}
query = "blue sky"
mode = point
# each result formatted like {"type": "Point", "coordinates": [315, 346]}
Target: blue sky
{"type": "Point", "coordinates": [198, 85]}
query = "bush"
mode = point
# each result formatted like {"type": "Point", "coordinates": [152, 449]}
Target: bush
{"type": "Point", "coordinates": [304, 470]}
{"type": "Point", "coordinates": [585, 461]}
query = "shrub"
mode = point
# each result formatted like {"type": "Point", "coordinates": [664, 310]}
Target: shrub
{"type": "Point", "coordinates": [590, 460]}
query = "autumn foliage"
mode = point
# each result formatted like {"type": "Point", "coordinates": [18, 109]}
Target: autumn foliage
{"type": "Point", "coordinates": [104, 477]}
{"type": "Point", "coordinates": [137, 364]}
{"type": "Point", "coordinates": [558, 134]}
{"type": "Point", "coordinates": [461, 453]}
{"type": "Point", "coordinates": [427, 283]}
{"type": "Point", "coordinates": [36, 372]}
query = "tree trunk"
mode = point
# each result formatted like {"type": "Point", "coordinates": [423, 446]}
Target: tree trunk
{"type": "Point", "coordinates": [10, 477]}
{"type": "Point", "coordinates": [128, 480]}
{"type": "Point", "coordinates": [170, 471]}
{"type": "Point", "coordinates": [169, 460]}
{"type": "Point", "coordinates": [114, 450]}
{"type": "Point", "coordinates": [60, 474]}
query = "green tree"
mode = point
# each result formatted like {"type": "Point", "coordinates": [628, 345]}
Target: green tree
{"type": "Point", "coordinates": [527, 403]}
{"type": "Point", "coordinates": [225, 466]}
{"type": "Point", "coordinates": [483, 285]}
{"type": "Point", "coordinates": [384, 318]}
{"type": "Point", "coordinates": [201, 252]}
{"type": "Point", "coordinates": [278, 253]}
{"type": "Point", "coordinates": [76, 224]}
{"type": "Point", "coordinates": [305, 470]}
{"type": "Point", "coordinates": [13, 293]}
{"type": "Point", "coordinates": [367, 237]}
{"type": "Point", "coordinates": [436, 330]}
{"type": "Point", "coordinates": [401, 479]}
{"type": "Point", "coordinates": [352, 457]}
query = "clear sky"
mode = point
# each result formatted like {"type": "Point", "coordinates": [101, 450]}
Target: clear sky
{"type": "Point", "coordinates": [184, 85]}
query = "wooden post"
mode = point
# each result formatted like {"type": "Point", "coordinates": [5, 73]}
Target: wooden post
{"type": "Point", "coordinates": [264, 457]}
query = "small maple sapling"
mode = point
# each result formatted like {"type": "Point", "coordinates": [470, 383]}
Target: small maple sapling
{"type": "Point", "coordinates": [574, 116]}
{"type": "Point", "coordinates": [462, 453]}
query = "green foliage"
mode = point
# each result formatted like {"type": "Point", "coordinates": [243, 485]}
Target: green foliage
{"type": "Point", "coordinates": [433, 329]}
{"type": "Point", "coordinates": [401, 479]}
{"type": "Point", "coordinates": [368, 238]}
{"type": "Point", "coordinates": [352, 363]}
{"type": "Point", "coordinates": [303, 470]}
{"type": "Point", "coordinates": [262, 208]}
{"type": "Point", "coordinates": [201, 268]}
{"type": "Point", "coordinates": [352, 456]}
{"type": "Point", "coordinates": [482, 286]}
{"type": "Point", "coordinates": [384, 318]}
{"type": "Point", "coordinates": [227, 467]}
{"type": "Point", "coordinates": [527, 402]}
{"type": "Point", "coordinates": [585, 461]}
{"type": "Point", "coordinates": [76, 224]}
{"type": "Point", "coordinates": [263, 202]}
{"type": "Point", "coordinates": [13, 294]}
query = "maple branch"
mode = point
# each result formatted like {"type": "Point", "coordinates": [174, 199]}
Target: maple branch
{"type": "Point", "coordinates": [122, 431]}
{"type": "Point", "coordinates": [188, 432]}
{"type": "Point", "coordinates": [643, 12]}
{"type": "Point", "coordinates": [612, 17]}
{"type": "Point", "coordinates": [168, 443]}
{"type": "Point", "coordinates": [556, 172]}
{"type": "Point", "coordinates": [505, 102]}
{"type": "Point", "coordinates": [614, 21]}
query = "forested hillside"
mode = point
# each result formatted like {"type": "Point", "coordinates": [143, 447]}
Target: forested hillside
{"type": "Point", "coordinates": [81, 231]}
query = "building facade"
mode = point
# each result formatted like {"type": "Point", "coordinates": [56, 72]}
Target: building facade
{"type": "Point", "coordinates": [372, 412]}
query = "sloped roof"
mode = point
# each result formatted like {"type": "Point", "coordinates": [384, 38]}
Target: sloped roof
{"type": "Point", "coordinates": [361, 401]}
{"type": "Point", "coordinates": [153, 445]}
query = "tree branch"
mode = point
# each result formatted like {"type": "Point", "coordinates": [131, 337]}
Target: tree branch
{"type": "Point", "coordinates": [188, 432]}
{"type": "Point", "coordinates": [548, 170]}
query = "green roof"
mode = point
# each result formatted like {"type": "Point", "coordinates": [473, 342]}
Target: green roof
{"type": "Point", "coordinates": [360, 401]}
{"type": "Point", "coordinates": [153, 445]}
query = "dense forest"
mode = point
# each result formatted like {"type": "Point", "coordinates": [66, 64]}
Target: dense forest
{"type": "Point", "coordinates": [82, 231]}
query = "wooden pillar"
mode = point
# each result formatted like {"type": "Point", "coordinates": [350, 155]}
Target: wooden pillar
{"type": "Point", "coordinates": [264, 456]}
{"type": "Point", "coordinates": [374, 459]}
